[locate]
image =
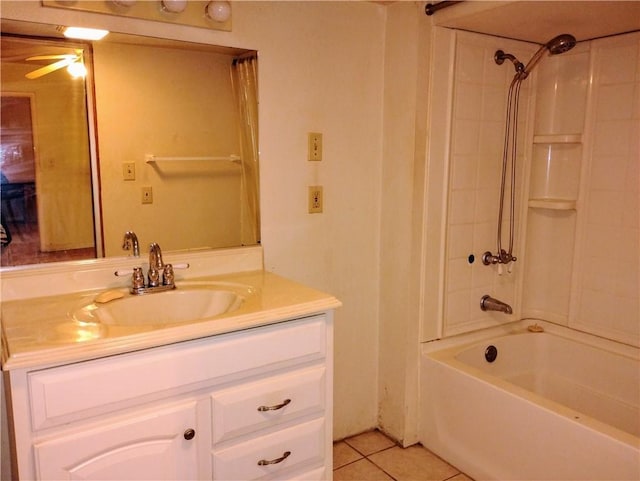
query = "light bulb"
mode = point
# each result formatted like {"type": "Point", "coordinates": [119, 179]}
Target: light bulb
{"type": "Point", "coordinates": [219, 11]}
{"type": "Point", "coordinates": [174, 6]}
{"type": "Point", "coordinates": [77, 69]}
{"type": "Point", "coordinates": [83, 33]}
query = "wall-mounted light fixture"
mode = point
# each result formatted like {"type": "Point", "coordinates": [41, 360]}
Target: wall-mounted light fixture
{"type": "Point", "coordinates": [209, 14]}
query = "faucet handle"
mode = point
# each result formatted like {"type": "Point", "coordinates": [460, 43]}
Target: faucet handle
{"type": "Point", "coordinates": [137, 280]}
{"type": "Point", "coordinates": [181, 265]}
{"type": "Point", "coordinates": [168, 279]}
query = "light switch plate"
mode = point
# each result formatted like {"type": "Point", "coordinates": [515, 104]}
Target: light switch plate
{"type": "Point", "coordinates": [128, 171]}
{"type": "Point", "coordinates": [147, 195]}
{"type": "Point", "coordinates": [315, 146]}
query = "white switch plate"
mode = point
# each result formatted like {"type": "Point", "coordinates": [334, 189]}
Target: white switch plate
{"type": "Point", "coordinates": [128, 171]}
{"type": "Point", "coordinates": [147, 195]}
{"type": "Point", "coordinates": [315, 146]}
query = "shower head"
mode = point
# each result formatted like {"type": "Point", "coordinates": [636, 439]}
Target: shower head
{"type": "Point", "coordinates": [560, 44]}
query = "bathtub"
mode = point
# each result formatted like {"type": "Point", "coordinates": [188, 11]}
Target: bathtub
{"type": "Point", "coordinates": [554, 405]}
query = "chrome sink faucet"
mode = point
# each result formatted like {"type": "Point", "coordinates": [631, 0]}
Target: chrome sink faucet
{"type": "Point", "coordinates": [130, 241]}
{"type": "Point", "coordinates": [160, 276]}
{"type": "Point", "coordinates": [156, 266]}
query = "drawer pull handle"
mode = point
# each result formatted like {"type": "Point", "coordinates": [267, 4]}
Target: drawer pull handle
{"type": "Point", "coordinates": [266, 462]}
{"type": "Point", "coordinates": [189, 434]}
{"type": "Point", "coordinates": [275, 407]}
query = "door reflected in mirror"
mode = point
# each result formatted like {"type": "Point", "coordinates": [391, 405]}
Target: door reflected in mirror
{"type": "Point", "coordinates": [45, 163]}
{"type": "Point", "coordinates": [172, 119]}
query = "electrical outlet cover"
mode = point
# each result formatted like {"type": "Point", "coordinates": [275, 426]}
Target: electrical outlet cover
{"type": "Point", "coordinates": [316, 200]}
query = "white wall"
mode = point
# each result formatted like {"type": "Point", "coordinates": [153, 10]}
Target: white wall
{"type": "Point", "coordinates": [407, 62]}
{"type": "Point", "coordinates": [321, 69]}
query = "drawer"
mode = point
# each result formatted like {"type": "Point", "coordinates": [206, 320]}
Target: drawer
{"type": "Point", "coordinates": [275, 455]}
{"type": "Point", "coordinates": [268, 402]}
{"type": "Point", "coordinates": [76, 391]}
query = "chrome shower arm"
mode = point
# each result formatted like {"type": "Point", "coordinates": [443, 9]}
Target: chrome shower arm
{"type": "Point", "coordinates": [500, 56]}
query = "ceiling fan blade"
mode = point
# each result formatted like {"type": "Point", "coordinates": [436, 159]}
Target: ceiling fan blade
{"type": "Point", "coordinates": [51, 57]}
{"type": "Point", "coordinates": [49, 68]}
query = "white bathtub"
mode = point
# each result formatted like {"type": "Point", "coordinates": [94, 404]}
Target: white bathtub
{"type": "Point", "coordinates": [549, 407]}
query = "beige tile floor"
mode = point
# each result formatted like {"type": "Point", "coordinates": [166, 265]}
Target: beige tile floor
{"type": "Point", "coordinates": [373, 456]}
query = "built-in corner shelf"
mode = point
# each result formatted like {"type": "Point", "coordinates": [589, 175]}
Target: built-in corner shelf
{"type": "Point", "coordinates": [552, 204]}
{"type": "Point", "coordinates": [558, 139]}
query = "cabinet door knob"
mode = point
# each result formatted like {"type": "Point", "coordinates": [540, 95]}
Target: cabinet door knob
{"type": "Point", "coordinates": [189, 434]}
{"type": "Point", "coordinates": [274, 407]}
{"type": "Point", "coordinates": [266, 462]}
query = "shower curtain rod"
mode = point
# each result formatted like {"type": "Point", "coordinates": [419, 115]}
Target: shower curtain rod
{"type": "Point", "coordinates": [431, 8]}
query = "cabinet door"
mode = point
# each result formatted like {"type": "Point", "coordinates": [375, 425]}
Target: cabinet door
{"type": "Point", "coordinates": [151, 446]}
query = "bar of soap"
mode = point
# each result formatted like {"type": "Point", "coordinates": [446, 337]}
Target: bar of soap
{"type": "Point", "coordinates": [535, 328]}
{"type": "Point", "coordinates": [107, 296]}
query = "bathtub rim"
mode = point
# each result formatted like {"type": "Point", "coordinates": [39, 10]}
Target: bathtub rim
{"type": "Point", "coordinates": [444, 351]}
{"type": "Point", "coordinates": [460, 341]}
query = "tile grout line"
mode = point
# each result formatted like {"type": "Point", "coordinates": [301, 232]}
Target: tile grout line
{"type": "Point", "coordinates": [367, 458]}
{"type": "Point", "coordinates": [394, 445]}
{"type": "Point", "coordinates": [380, 467]}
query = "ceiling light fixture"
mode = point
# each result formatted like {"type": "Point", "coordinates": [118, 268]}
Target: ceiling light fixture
{"type": "Point", "coordinates": [82, 33]}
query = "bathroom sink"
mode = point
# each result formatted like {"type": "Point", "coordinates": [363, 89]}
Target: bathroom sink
{"type": "Point", "coordinates": [175, 306]}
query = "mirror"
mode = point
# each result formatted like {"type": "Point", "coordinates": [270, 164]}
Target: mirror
{"type": "Point", "coordinates": [160, 138]}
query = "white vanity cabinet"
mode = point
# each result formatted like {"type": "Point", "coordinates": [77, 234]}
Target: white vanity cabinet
{"type": "Point", "coordinates": [250, 404]}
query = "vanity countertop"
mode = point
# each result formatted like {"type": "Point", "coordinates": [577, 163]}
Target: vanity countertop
{"type": "Point", "coordinates": [41, 331]}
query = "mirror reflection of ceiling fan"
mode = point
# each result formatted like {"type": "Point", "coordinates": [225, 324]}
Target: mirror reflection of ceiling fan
{"type": "Point", "coordinates": [73, 62]}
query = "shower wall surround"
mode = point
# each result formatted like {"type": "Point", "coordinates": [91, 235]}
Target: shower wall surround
{"type": "Point", "coordinates": [583, 255]}
{"type": "Point", "coordinates": [578, 182]}
{"type": "Point", "coordinates": [556, 152]}
{"type": "Point", "coordinates": [480, 88]}
{"type": "Point", "coordinates": [607, 281]}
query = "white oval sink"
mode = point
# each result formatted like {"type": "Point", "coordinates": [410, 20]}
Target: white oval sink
{"type": "Point", "coordinates": [175, 306]}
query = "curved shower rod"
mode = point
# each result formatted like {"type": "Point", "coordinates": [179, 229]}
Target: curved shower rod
{"type": "Point", "coordinates": [431, 8]}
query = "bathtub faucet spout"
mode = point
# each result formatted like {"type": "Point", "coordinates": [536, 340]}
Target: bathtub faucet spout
{"type": "Point", "coordinates": [488, 303]}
